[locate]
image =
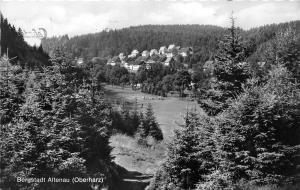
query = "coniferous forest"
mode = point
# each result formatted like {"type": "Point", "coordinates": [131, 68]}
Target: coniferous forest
{"type": "Point", "coordinates": [55, 121]}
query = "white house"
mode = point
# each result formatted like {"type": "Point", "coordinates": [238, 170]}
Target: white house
{"type": "Point", "coordinates": [145, 53]}
{"type": "Point", "coordinates": [162, 50]}
{"type": "Point", "coordinates": [134, 53]}
{"type": "Point", "coordinates": [113, 61]}
{"type": "Point", "coordinates": [135, 67]}
{"type": "Point", "coordinates": [153, 52]}
{"type": "Point", "coordinates": [79, 61]}
{"type": "Point", "coordinates": [171, 46]}
{"type": "Point", "coordinates": [150, 61]}
{"type": "Point", "coordinates": [186, 51]}
{"type": "Point", "coordinates": [122, 56]}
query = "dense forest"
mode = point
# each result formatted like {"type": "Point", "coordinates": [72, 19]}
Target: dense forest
{"type": "Point", "coordinates": [12, 41]}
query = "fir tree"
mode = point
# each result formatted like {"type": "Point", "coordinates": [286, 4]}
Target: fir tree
{"type": "Point", "coordinates": [229, 73]}
{"type": "Point", "coordinates": [10, 91]}
{"type": "Point", "coordinates": [257, 137]}
{"type": "Point", "coordinates": [149, 125]}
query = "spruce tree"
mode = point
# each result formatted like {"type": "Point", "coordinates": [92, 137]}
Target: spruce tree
{"type": "Point", "coordinates": [11, 82]}
{"type": "Point", "coordinates": [230, 72]}
{"type": "Point", "coordinates": [257, 137]}
{"type": "Point", "coordinates": [150, 126]}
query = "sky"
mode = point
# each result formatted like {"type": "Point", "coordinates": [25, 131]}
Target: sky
{"type": "Point", "coordinates": [81, 17]}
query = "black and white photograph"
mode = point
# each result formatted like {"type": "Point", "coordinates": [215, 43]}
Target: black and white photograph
{"type": "Point", "coordinates": [149, 95]}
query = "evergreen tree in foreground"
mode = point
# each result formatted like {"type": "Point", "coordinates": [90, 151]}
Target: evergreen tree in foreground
{"type": "Point", "coordinates": [11, 82]}
{"type": "Point", "coordinates": [189, 156]}
{"type": "Point", "coordinates": [257, 137]}
{"type": "Point", "coordinates": [230, 72]}
{"type": "Point", "coordinates": [60, 131]}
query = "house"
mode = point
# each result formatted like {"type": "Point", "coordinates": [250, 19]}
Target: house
{"type": "Point", "coordinates": [145, 53]}
{"type": "Point", "coordinates": [150, 61]}
{"type": "Point", "coordinates": [171, 52]}
{"type": "Point", "coordinates": [122, 57]}
{"type": "Point", "coordinates": [261, 64]}
{"type": "Point", "coordinates": [168, 61]}
{"type": "Point", "coordinates": [153, 52]}
{"type": "Point", "coordinates": [171, 46]}
{"type": "Point", "coordinates": [134, 53]}
{"type": "Point", "coordinates": [79, 61]}
{"type": "Point", "coordinates": [134, 68]}
{"type": "Point", "coordinates": [125, 64]}
{"type": "Point", "coordinates": [184, 52]}
{"type": "Point", "coordinates": [113, 61]}
{"type": "Point", "coordinates": [162, 50]}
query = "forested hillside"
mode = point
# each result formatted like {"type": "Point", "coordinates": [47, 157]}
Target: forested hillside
{"type": "Point", "coordinates": [13, 41]}
{"type": "Point", "coordinates": [203, 38]}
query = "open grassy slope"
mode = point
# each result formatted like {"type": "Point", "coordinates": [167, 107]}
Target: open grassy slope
{"type": "Point", "coordinates": [169, 113]}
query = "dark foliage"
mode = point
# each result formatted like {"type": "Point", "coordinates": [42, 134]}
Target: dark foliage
{"type": "Point", "coordinates": [13, 41]}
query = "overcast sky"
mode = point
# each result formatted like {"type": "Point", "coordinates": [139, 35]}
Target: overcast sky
{"type": "Point", "coordinates": [78, 17]}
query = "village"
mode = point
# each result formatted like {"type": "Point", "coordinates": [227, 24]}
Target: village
{"type": "Point", "coordinates": [165, 55]}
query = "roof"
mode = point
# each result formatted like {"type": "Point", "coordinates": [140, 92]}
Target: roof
{"type": "Point", "coordinates": [150, 61]}
{"type": "Point", "coordinates": [134, 51]}
{"type": "Point", "coordinates": [171, 46]}
{"type": "Point", "coordinates": [162, 48]}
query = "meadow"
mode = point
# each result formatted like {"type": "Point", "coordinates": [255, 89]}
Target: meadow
{"type": "Point", "coordinates": [169, 113]}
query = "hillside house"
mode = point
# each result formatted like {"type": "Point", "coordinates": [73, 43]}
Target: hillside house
{"type": "Point", "coordinates": [134, 53]}
{"type": "Point", "coordinates": [153, 52]}
{"type": "Point", "coordinates": [184, 52]}
{"type": "Point", "coordinates": [171, 53]}
{"type": "Point", "coordinates": [171, 46]}
{"type": "Point", "coordinates": [133, 68]}
{"type": "Point", "coordinates": [113, 61]}
{"type": "Point", "coordinates": [145, 53]}
{"type": "Point", "coordinates": [79, 61]}
{"type": "Point", "coordinates": [162, 50]}
{"type": "Point", "coordinates": [122, 57]}
{"type": "Point", "coordinates": [150, 61]}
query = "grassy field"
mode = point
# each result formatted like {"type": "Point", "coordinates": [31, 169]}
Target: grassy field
{"type": "Point", "coordinates": [169, 113]}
